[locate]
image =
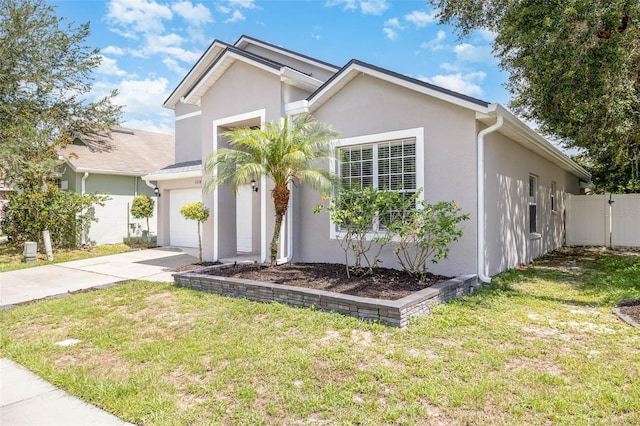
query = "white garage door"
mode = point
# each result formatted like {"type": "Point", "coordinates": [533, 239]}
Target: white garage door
{"type": "Point", "coordinates": [183, 232]}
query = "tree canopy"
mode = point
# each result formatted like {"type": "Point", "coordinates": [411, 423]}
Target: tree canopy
{"type": "Point", "coordinates": [574, 69]}
{"type": "Point", "coordinates": [45, 75]}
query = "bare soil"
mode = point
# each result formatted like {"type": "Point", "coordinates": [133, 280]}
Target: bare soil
{"type": "Point", "coordinates": [384, 283]}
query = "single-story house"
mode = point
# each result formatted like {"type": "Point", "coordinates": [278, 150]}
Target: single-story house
{"type": "Point", "coordinates": [114, 165]}
{"type": "Point", "coordinates": [510, 179]}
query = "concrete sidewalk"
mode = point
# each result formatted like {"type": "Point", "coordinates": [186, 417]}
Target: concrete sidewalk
{"type": "Point", "coordinates": [57, 280]}
{"type": "Point", "coordinates": [26, 399]}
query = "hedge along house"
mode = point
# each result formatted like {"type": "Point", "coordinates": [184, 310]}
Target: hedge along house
{"type": "Point", "coordinates": [114, 165]}
{"type": "Point", "coordinates": [400, 133]}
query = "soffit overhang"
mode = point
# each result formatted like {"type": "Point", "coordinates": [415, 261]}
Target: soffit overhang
{"type": "Point", "coordinates": [519, 132]}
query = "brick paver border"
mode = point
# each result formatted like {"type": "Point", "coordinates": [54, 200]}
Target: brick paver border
{"type": "Point", "coordinates": [395, 313]}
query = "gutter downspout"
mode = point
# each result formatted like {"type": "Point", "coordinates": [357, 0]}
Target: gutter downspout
{"type": "Point", "coordinates": [481, 222]}
{"type": "Point", "coordinates": [289, 219]}
{"type": "Point", "coordinates": [148, 184]}
{"type": "Point", "coordinates": [83, 187]}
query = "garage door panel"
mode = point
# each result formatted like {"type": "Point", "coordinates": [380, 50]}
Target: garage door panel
{"type": "Point", "coordinates": [183, 232]}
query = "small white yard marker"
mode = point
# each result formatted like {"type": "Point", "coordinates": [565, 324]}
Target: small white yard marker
{"type": "Point", "coordinates": [68, 342]}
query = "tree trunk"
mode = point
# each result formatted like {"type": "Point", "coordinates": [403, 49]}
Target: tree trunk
{"type": "Point", "coordinates": [280, 195]}
{"type": "Point", "coordinates": [199, 244]}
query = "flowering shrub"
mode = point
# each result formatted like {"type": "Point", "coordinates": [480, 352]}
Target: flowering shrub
{"type": "Point", "coordinates": [361, 217]}
{"type": "Point", "coordinates": [425, 233]}
{"type": "Point", "coordinates": [368, 219]}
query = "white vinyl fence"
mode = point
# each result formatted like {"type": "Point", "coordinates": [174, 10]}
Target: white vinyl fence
{"type": "Point", "coordinates": [603, 220]}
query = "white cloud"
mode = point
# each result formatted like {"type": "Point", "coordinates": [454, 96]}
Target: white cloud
{"type": "Point", "coordinates": [373, 7]}
{"type": "Point", "coordinates": [347, 4]}
{"type": "Point", "coordinates": [235, 17]}
{"type": "Point", "coordinates": [113, 50]}
{"type": "Point", "coordinates": [139, 96]}
{"type": "Point", "coordinates": [393, 23]}
{"type": "Point", "coordinates": [420, 19]}
{"type": "Point", "coordinates": [242, 4]}
{"type": "Point", "coordinates": [450, 67]}
{"type": "Point", "coordinates": [196, 15]}
{"type": "Point", "coordinates": [390, 33]}
{"type": "Point", "coordinates": [487, 35]}
{"type": "Point", "coordinates": [140, 16]}
{"type": "Point", "coordinates": [466, 52]}
{"type": "Point", "coordinates": [367, 7]}
{"type": "Point", "coordinates": [109, 66]}
{"type": "Point", "coordinates": [159, 125]}
{"type": "Point", "coordinates": [390, 27]}
{"type": "Point", "coordinates": [174, 66]}
{"type": "Point", "coordinates": [436, 43]}
{"type": "Point", "coordinates": [467, 84]}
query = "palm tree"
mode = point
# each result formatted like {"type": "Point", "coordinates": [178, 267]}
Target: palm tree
{"type": "Point", "coordinates": [289, 151]}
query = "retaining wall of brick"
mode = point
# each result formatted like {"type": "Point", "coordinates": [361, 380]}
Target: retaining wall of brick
{"type": "Point", "coordinates": [391, 312]}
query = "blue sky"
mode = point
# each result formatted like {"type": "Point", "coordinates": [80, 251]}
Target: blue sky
{"type": "Point", "coordinates": [149, 45]}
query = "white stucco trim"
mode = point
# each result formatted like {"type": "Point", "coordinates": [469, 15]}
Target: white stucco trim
{"type": "Point", "coordinates": [295, 108]}
{"type": "Point", "coordinates": [173, 176]}
{"type": "Point", "coordinates": [416, 133]}
{"type": "Point", "coordinates": [222, 122]}
{"type": "Point", "coordinates": [244, 40]}
{"type": "Point", "coordinates": [189, 115]}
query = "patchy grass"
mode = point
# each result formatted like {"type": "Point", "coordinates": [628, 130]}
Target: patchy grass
{"type": "Point", "coordinates": [537, 346]}
{"type": "Point", "coordinates": [11, 255]}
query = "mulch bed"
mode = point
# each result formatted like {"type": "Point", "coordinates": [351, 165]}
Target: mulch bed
{"type": "Point", "coordinates": [631, 308]}
{"type": "Point", "coordinates": [385, 283]}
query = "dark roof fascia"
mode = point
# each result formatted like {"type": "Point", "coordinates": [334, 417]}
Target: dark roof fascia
{"type": "Point", "coordinates": [287, 51]}
{"type": "Point", "coordinates": [239, 52]}
{"type": "Point", "coordinates": [183, 164]}
{"type": "Point", "coordinates": [401, 77]}
{"type": "Point", "coordinates": [194, 66]}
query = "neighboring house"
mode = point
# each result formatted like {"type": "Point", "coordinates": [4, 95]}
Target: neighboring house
{"type": "Point", "coordinates": [114, 165]}
{"type": "Point", "coordinates": [400, 133]}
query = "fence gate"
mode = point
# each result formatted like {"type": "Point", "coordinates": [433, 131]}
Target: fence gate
{"type": "Point", "coordinates": [603, 220]}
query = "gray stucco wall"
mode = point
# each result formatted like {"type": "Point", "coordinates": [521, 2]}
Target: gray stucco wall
{"type": "Point", "coordinates": [242, 89]}
{"type": "Point", "coordinates": [187, 130]}
{"type": "Point", "coordinates": [507, 170]}
{"type": "Point", "coordinates": [307, 68]}
{"type": "Point", "coordinates": [368, 106]}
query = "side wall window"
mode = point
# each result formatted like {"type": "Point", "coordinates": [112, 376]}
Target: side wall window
{"type": "Point", "coordinates": [387, 165]}
{"type": "Point", "coordinates": [554, 206]}
{"type": "Point", "coordinates": [533, 204]}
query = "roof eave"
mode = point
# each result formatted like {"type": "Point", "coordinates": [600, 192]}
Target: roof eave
{"type": "Point", "coordinates": [552, 152]}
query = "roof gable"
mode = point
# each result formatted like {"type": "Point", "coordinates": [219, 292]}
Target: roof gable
{"type": "Point", "coordinates": [125, 152]}
{"type": "Point", "coordinates": [356, 67]}
{"type": "Point", "coordinates": [219, 56]}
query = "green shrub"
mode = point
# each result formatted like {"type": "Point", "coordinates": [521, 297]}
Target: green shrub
{"type": "Point", "coordinates": [424, 234]}
{"type": "Point", "coordinates": [142, 208]}
{"type": "Point", "coordinates": [66, 214]}
{"type": "Point", "coordinates": [361, 217]}
{"type": "Point", "coordinates": [198, 212]}
{"type": "Point", "coordinates": [368, 219]}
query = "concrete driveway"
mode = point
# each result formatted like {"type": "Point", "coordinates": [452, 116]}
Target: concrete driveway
{"type": "Point", "coordinates": [60, 279]}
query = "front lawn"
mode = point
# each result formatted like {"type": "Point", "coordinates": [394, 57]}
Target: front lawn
{"type": "Point", "coordinates": [539, 345]}
{"type": "Point", "coordinates": [11, 255]}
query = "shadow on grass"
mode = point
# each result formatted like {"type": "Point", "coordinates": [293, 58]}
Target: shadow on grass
{"type": "Point", "coordinates": [605, 277]}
